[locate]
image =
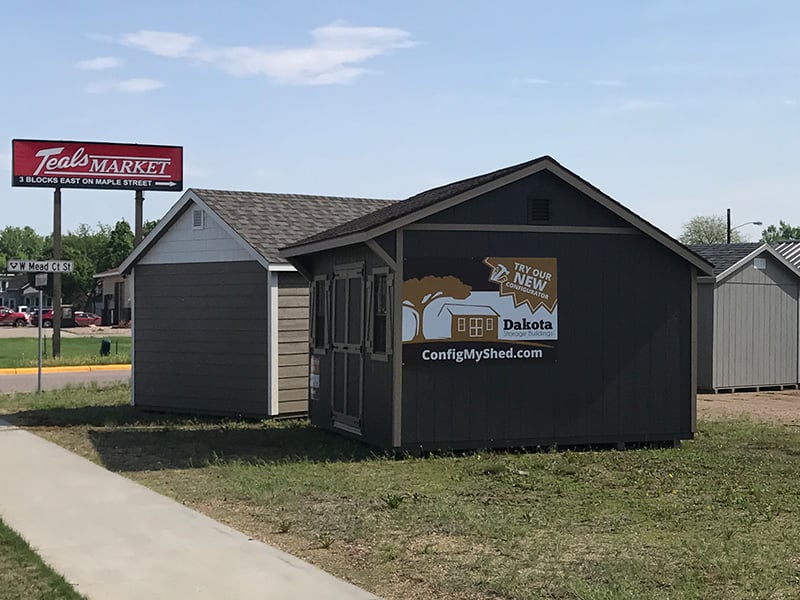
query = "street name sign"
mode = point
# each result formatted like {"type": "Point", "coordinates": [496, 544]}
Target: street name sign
{"type": "Point", "coordinates": [39, 266]}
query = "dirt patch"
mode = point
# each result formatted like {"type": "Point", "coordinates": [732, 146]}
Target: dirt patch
{"type": "Point", "coordinates": [775, 407]}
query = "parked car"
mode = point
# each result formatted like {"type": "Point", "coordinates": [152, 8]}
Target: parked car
{"type": "Point", "coordinates": [46, 315]}
{"type": "Point", "coordinates": [12, 317]}
{"type": "Point", "coordinates": [84, 319]}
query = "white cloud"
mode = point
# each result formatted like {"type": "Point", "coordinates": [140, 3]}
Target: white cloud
{"type": "Point", "coordinates": [161, 43]}
{"type": "Point", "coordinates": [333, 57]}
{"type": "Point", "coordinates": [98, 64]}
{"type": "Point", "coordinates": [606, 82]}
{"type": "Point", "coordinates": [134, 86]}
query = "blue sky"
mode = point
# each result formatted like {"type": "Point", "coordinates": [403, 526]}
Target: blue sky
{"type": "Point", "coordinates": [674, 108]}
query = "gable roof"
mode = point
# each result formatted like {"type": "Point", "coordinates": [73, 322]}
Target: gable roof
{"type": "Point", "coordinates": [724, 256]}
{"type": "Point", "coordinates": [729, 258]}
{"type": "Point", "coordinates": [429, 202]}
{"type": "Point", "coordinates": [790, 250]}
{"type": "Point", "coordinates": [263, 222]}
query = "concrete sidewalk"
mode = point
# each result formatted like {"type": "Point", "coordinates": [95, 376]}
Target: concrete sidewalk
{"type": "Point", "coordinates": [112, 538]}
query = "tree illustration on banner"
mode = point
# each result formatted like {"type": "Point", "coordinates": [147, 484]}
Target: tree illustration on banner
{"type": "Point", "coordinates": [419, 293]}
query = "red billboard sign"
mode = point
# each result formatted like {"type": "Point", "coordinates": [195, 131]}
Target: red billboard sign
{"type": "Point", "coordinates": [53, 164]}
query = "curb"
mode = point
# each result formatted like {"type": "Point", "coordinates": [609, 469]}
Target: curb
{"type": "Point", "coordinates": [73, 369]}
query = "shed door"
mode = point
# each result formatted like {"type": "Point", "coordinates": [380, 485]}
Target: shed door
{"type": "Point", "coordinates": [348, 347]}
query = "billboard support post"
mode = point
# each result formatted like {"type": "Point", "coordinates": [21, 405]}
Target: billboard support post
{"type": "Point", "coordinates": [56, 276]}
{"type": "Point", "coordinates": [138, 233]}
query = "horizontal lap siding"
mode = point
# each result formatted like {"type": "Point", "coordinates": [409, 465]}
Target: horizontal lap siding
{"type": "Point", "coordinates": [200, 338]}
{"type": "Point", "coordinates": [293, 336]}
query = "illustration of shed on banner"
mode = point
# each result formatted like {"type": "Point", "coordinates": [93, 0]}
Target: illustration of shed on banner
{"type": "Point", "coordinates": [480, 309]}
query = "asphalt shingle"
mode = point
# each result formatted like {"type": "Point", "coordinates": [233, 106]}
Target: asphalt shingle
{"type": "Point", "coordinates": [724, 256]}
{"type": "Point", "coordinates": [270, 221]}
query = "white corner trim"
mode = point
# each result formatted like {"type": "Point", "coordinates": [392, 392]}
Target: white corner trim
{"type": "Point", "coordinates": [272, 337]}
{"type": "Point", "coordinates": [281, 268]}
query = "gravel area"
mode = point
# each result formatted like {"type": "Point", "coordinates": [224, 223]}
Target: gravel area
{"type": "Point", "coordinates": [777, 407]}
{"type": "Point", "coordinates": [30, 331]}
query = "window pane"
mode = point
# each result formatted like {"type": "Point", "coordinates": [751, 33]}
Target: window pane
{"type": "Point", "coordinates": [340, 311]}
{"type": "Point", "coordinates": [354, 334]}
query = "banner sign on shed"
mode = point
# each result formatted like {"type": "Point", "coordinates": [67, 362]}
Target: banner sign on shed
{"type": "Point", "coordinates": [468, 310]}
{"type": "Point", "coordinates": [92, 165]}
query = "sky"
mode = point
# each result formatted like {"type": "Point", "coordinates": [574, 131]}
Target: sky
{"type": "Point", "coordinates": [674, 108]}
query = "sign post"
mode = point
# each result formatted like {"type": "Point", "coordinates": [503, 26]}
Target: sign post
{"type": "Point", "coordinates": [93, 165]}
{"type": "Point", "coordinates": [56, 276]}
{"type": "Point", "coordinates": [39, 385]}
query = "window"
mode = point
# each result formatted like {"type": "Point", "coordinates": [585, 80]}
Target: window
{"type": "Point", "coordinates": [380, 314]}
{"type": "Point", "coordinates": [462, 324]}
{"type": "Point", "coordinates": [319, 317]}
{"type": "Point", "coordinates": [489, 324]}
{"type": "Point", "coordinates": [475, 327]}
{"type": "Point", "coordinates": [198, 218]}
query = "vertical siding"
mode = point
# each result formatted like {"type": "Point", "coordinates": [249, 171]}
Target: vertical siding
{"type": "Point", "coordinates": [624, 367]}
{"type": "Point", "coordinates": [293, 312]}
{"type": "Point", "coordinates": [705, 336]}
{"type": "Point", "coordinates": [201, 338]}
{"type": "Point", "coordinates": [756, 333]}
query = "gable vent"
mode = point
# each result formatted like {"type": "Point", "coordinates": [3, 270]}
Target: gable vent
{"type": "Point", "coordinates": [538, 210]}
{"type": "Point", "coordinates": [198, 220]}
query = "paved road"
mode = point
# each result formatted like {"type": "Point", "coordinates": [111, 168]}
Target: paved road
{"type": "Point", "coordinates": [54, 381]}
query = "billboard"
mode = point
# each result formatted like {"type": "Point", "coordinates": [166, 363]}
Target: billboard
{"type": "Point", "coordinates": [468, 310]}
{"type": "Point", "coordinates": [94, 165]}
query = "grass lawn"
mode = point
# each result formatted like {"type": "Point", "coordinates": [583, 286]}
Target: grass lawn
{"type": "Point", "coordinates": [718, 518]}
{"type": "Point", "coordinates": [23, 575]}
{"type": "Point", "coordinates": [22, 352]}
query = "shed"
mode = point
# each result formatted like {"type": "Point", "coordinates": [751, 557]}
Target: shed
{"type": "Point", "coordinates": [593, 307]}
{"type": "Point", "coordinates": [747, 319]}
{"type": "Point", "coordinates": [219, 321]}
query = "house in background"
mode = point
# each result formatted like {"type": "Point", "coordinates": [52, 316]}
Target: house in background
{"type": "Point", "coordinates": [747, 319]}
{"type": "Point", "coordinates": [16, 290]}
{"type": "Point", "coordinates": [219, 320]}
{"type": "Point", "coordinates": [112, 297]}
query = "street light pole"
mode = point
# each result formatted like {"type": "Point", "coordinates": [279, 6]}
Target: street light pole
{"type": "Point", "coordinates": [737, 227]}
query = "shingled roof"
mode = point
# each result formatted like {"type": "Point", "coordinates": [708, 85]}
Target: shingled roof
{"type": "Point", "coordinates": [415, 203]}
{"type": "Point", "coordinates": [724, 256]}
{"type": "Point", "coordinates": [270, 221]}
{"type": "Point", "coordinates": [399, 214]}
{"type": "Point", "coordinates": [264, 221]}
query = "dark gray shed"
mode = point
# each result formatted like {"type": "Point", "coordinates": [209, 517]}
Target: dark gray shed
{"type": "Point", "coordinates": [747, 319]}
{"type": "Point", "coordinates": [220, 321]}
{"type": "Point", "coordinates": [522, 307]}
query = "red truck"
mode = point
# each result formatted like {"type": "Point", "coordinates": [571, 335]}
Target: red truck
{"type": "Point", "coordinates": [13, 317]}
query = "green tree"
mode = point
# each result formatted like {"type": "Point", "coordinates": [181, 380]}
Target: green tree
{"type": "Point", "coordinates": [783, 231]}
{"type": "Point", "coordinates": [21, 242]}
{"type": "Point", "coordinates": [711, 229]}
{"type": "Point", "coordinates": [120, 243]}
